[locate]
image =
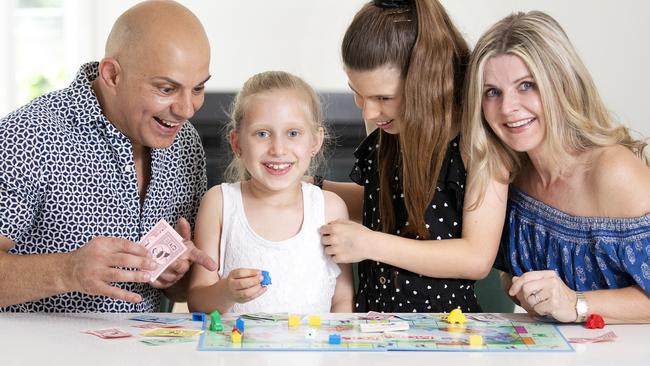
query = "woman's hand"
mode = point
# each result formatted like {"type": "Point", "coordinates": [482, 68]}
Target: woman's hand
{"type": "Point", "coordinates": [345, 241]}
{"type": "Point", "coordinates": [544, 293]}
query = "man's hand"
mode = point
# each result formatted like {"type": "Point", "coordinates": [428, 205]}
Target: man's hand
{"type": "Point", "coordinates": [103, 260]}
{"type": "Point", "coordinates": [179, 267]}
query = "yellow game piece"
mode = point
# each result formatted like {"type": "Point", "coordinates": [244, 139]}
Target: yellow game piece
{"type": "Point", "coordinates": [235, 336]}
{"type": "Point", "coordinates": [314, 320]}
{"type": "Point", "coordinates": [294, 320]}
{"type": "Point", "coordinates": [475, 341]}
{"type": "Point", "coordinates": [456, 316]}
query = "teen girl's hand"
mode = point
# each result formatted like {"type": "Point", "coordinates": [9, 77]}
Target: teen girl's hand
{"type": "Point", "coordinates": [244, 284]}
{"type": "Point", "coordinates": [544, 293]}
{"type": "Point", "coordinates": [345, 241]}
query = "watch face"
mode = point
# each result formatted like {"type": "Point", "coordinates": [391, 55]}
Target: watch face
{"type": "Point", "coordinates": [581, 306]}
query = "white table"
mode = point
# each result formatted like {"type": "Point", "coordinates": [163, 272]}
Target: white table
{"type": "Point", "coordinates": [56, 339]}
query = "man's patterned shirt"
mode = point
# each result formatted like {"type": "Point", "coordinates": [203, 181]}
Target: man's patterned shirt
{"type": "Point", "coordinates": [67, 175]}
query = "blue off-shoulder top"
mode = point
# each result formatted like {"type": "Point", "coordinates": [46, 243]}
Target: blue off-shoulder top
{"type": "Point", "coordinates": [588, 253]}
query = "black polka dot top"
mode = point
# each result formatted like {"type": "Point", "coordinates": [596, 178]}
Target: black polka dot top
{"type": "Point", "coordinates": [385, 288]}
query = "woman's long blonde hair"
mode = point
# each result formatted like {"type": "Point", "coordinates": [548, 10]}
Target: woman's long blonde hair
{"type": "Point", "coordinates": [576, 117]}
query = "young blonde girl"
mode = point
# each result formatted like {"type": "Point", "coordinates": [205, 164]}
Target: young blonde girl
{"type": "Point", "coordinates": [267, 219]}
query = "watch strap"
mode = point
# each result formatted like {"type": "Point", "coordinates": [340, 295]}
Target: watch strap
{"type": "Point", "coordinates": [582, 309]}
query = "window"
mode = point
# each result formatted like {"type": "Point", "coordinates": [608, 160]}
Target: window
{"type": "Point", "coordinates": [43, 40]}
{"type": "Point", "coordinates": [38, 48]}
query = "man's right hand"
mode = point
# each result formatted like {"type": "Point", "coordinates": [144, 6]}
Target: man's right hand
{"type": "Point", "coordinates": [103, 260]}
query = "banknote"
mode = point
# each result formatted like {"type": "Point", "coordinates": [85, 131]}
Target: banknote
{"type": "Point", "coordinates": [160, 226]}
{"type": "Point", "coordinates": [165, 246]}
{"type": "Point", "coordinates": [166, 332]}
{"type": "Point", "coordinates": [156, 319]}
{"type": "Point", "coordinates": [267, 316]}
{"type": "Point", "coordinates": [164, 341]}
{"type": "Point", "coordinates": [155, 325]}
{"type": "Point", "coordinates": [108, 333]}
{"type": "Point", "coordinates": [606, 337]}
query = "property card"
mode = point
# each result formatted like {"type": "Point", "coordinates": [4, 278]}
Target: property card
{"type": "Point", "coordinates": [486, 317]}
{"type": "Point", "coordinates": [412, 316]}
{"type": "Point", "coordinates": [165, 246]}
{"type": "Point", "coordinates": [383, 327]}
{"type": "Point", "coordinates": [373, 315]}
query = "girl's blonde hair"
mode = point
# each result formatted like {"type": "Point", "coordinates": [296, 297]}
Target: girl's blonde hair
{"type": "Point", "coordinates": [270, 81]}
{"type": "Point", "coordinates": [420, 40]}
{"type": "Point", "coordinates": [576, 117]}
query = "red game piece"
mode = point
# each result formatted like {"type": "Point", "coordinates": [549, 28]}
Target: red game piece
{"type": "Point", "coordinates": [595, 321]}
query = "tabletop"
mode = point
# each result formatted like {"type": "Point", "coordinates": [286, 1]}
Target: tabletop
{"type": "Point", "coordinates": [58, 339]}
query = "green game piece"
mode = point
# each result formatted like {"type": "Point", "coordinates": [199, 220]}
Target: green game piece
{"type": "Point", "coordinates": [215, 322]}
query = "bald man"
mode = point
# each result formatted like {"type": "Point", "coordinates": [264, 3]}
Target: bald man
{"type": "Point", "coordinates": [86, 171]}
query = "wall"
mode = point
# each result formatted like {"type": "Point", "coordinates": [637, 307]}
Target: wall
{"type": "Point", "coordinates": [303, 36]}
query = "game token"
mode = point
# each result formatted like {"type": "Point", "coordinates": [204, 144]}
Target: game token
{"type": "Point", "coordinates": [595, 321]}
{"type": "Point", "coordinates": [198, 317]}
{"type": "Point", "coordinates": [456, 316]}
{"type": "Point", "coordinates": [314, 320]}
{"type": "Point", "coordinates": [215, 322]}
{"type": "Point", "coordinates": [294, 320]}
{"type": "Point", "coordinates": [235, 336]}
{"type": "Point", "coordinates": [475, 341]}
{"type": "Point", "coordinates": [334, 339]}
{"type": "Point", "coordinates": [239, 324]}
{"type": "Point", "coordinates": [267, 278]}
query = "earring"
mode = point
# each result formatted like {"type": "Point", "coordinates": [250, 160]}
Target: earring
{"type": "Point", "coordinates": [313, 153]}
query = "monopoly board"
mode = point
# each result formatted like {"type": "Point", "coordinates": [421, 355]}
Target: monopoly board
{"type": "Point", "coordinates": [427, 332]}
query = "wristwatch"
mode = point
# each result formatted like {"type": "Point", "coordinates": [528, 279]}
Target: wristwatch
{"type": "Point", "coordinates": [582, 310]}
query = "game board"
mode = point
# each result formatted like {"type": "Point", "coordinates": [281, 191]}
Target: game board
{"type": "Point", "coordinates": [429, 332]}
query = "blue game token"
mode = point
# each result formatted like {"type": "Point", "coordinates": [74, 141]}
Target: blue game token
{"type": "Point", "coordinates": [335, 339]}
{"type": "Point", "coordinates": [267, 278]}
{"type": "Point", "coordinates": [239, 324]}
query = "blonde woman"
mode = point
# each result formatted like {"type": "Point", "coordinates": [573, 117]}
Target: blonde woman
{"type": "Point", "coordinates": [577, 233]}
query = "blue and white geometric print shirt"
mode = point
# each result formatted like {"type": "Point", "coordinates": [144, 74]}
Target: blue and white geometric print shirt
{"type": "Point", "coordinates": [67, 175]}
